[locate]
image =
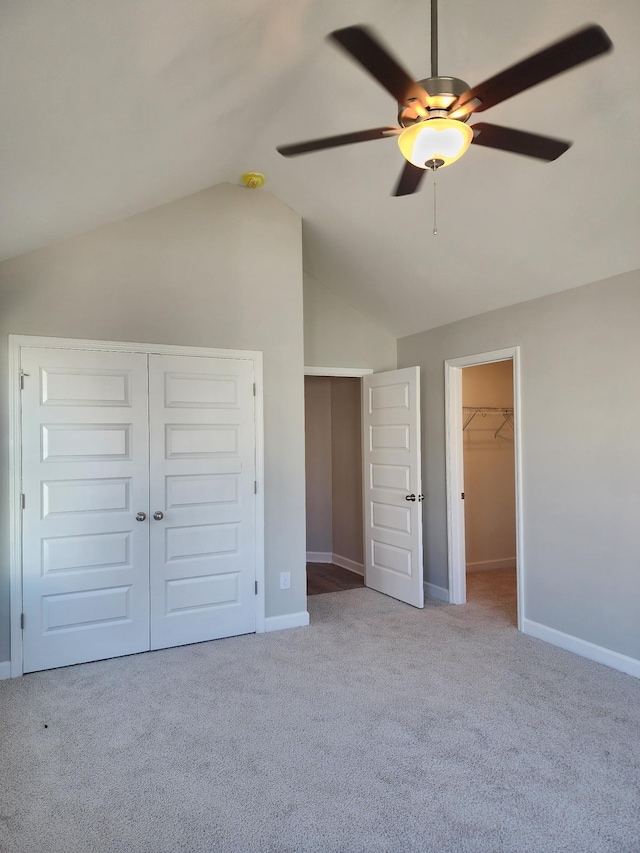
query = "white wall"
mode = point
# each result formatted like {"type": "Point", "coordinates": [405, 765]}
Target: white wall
{"type": "Point", "coordinates": [489, 468]}
{"type": "Point", "coordinates": [221, 268]}
{"type": "Point", "coordinates": [346, 469]}
{"type": "Point", "coordinates": [337, 335]}
{"type": "Point", "coordinates": [580, 355]}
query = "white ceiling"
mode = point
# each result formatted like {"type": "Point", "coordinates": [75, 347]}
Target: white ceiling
{"type": "Point", "coordinates": [112, 107]}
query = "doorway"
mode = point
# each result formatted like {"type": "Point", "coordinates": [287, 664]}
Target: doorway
{"type": "Point", "coordinates": [489, 486]}
{"type": "Point", "coordinates": [333, 441]}
{"type": "Point", "coordinates": [389, 503]}
{"type": "Point", "coordinates": [475, 546]}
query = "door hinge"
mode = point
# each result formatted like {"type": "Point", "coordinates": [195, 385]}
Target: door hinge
{"type": "Point", "coordinates": [255, 487]}
{"type": "Point", "coordinates": [22, 375]}
{"type": "Point", "coordinates": [22, 502]}
{"type": "Point", "coordinates": [462, 495]}
{"type": "Point", "coordinates": [254, 389]}
{"type": "Point", "coordinates": [22, 621]}
{"type": "Point", "coordinates": [256, 587]}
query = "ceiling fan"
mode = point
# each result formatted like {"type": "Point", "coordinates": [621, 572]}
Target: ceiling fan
{"type": "Point", "coordinates": [432, 113]}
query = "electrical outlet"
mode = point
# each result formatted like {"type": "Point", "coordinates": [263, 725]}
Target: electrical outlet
{"type": "Point", "coordinates": [285, 580]}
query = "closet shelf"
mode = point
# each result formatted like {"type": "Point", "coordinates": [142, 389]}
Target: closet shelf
{"type": "Point", "coordinates": [505, 412]}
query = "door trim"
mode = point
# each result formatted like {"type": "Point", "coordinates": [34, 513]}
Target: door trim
{"type": "Point", "coordinates": [455, 471]}
{"type": "Point", "coordinates": [354, 372]}
{"type": "Point", "coordinates": [16, 342]}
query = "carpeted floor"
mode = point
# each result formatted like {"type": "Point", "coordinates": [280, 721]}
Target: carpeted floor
{"type": "Point", "coordinates": [496, 591]}
{"type": "Point", "coordinates": [378, 728]}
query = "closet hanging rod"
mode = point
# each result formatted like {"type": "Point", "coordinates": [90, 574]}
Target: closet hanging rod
{"type": "Point", "coordinates": [506, 412]}
{"type": "Point", "coordinates": [505, 409]}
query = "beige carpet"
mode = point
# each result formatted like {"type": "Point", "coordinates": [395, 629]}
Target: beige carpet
{"type": "Point", "coordinates": [496, 591]}
{"type": "Point", "coordinates": [378, 728]}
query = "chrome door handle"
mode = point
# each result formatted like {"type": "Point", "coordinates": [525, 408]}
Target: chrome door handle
{"type": "Point", "coordinates": [158, 515]}
{"type": "Point", "coordinates": [410, 498]}
{"type": "Point", "coordinates": [141, 516]}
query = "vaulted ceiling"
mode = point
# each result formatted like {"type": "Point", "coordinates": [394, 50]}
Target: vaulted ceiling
{"type": "Point", "coordinates": [112, 107]}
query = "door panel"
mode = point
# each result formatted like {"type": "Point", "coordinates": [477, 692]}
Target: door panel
{"type": "Point", "coordinates": [392, 473]}
{"type": "Point", "coordinates": [202, 481]}
{"type": "Point", "coordinates": [84, 476]}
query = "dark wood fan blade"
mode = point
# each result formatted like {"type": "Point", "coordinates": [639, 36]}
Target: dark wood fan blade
{"type": "Point", "coordinates": [335, 141]}
{"type": "Point", "coordinates": [362, 45]}
{"type": "Point", "coordinates": [567, 53]}
{"type": "Point", "coordinates": [518, 141]}
{"type": "Point", "coordinates": [409, 179]}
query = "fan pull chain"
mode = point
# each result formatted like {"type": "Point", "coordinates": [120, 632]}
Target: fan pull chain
{"type": "Point", "coordinates": [434, 165]}
{"type": "Point", "coordinates": [435, 223]}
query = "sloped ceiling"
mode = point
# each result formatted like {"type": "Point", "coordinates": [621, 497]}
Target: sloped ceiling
{"type": "Point", "coordinates": [112, 107]}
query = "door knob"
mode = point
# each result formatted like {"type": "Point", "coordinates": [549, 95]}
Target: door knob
{"type": "Point", "coordinates": [410, 498]}
{"type": "Point", "coordinates": [158, 515]}
{"type": "Point", "coordinates": [141, 516]}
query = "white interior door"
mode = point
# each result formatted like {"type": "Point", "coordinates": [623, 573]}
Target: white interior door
{"type": "Point", "coordinates": [392, 487]}
{"type": "Point", "coordinates": [84, 478]}
{"type": "Point", "coordinates": [203, 506]}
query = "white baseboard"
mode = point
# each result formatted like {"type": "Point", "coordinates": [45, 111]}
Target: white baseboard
{"type": "Point", "coordinates": [346, 563]}
{"type": "Point", "coordinates": [584, 648]}
{"type": "Point", "coordinates": [288, 620]}
{"type": "Point", "coordinates": [319, 556]}
{"type": "Point", "coordinates": [336, 559]}
{"type": "Point", "coordinates": [486, 565]}
{"type": "Point", "coordinates": [433, 591]}
{"type": "Point", "coordinates": [5, 669]}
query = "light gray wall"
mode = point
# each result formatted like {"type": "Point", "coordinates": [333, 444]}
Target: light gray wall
{"type": "Point", "coordinates": [317, 399]}
{"type": "Point", "coordinates": [221, 268]}
{"type": "Point", "coordinates": [337, 335]}
{"type": "Point", "coordinates": [346, 464]}
{"type": "Point", "coordinates": [489, 468]}
{"type": "Point", "coordinates": [580, 356]}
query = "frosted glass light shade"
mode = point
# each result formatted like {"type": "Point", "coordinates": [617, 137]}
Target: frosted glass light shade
{"type": "Point", "coordinates": [443, 139]}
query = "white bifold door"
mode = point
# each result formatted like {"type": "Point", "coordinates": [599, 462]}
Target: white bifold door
{"type": "Point", "coordinates": [139, 520]}
{"type": "Point", "coordinates": [393, 484]}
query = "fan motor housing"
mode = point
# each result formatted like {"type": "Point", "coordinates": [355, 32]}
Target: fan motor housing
{"type": "Point", "coordinates": [443, 91]}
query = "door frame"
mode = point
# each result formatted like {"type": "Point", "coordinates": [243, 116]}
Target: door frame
{"type": "Point", "coordinates": [348, 373]}
{"type": "Point", "coordinates": [16, 342]}
{"type": "Point", "coordinates": [455, 471]}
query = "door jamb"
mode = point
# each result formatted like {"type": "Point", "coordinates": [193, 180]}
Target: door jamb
{"type": "Point", "coordinates": [455, 471]}
{"type": "Point", "coordinates": [16, 342]}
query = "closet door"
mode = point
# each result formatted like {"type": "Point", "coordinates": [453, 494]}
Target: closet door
{"type": "Point", "coordinates": [85, 478]}
{"type": "Point", "coordinates": [202, 510]}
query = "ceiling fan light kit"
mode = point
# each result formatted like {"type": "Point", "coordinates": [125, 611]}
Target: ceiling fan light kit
{"type": "Point", "coordinates": [430, 138]}
{"type": "Point", "coordinates": [432, 130]}
{"type": "Point", "coordinates": [435, 142]}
